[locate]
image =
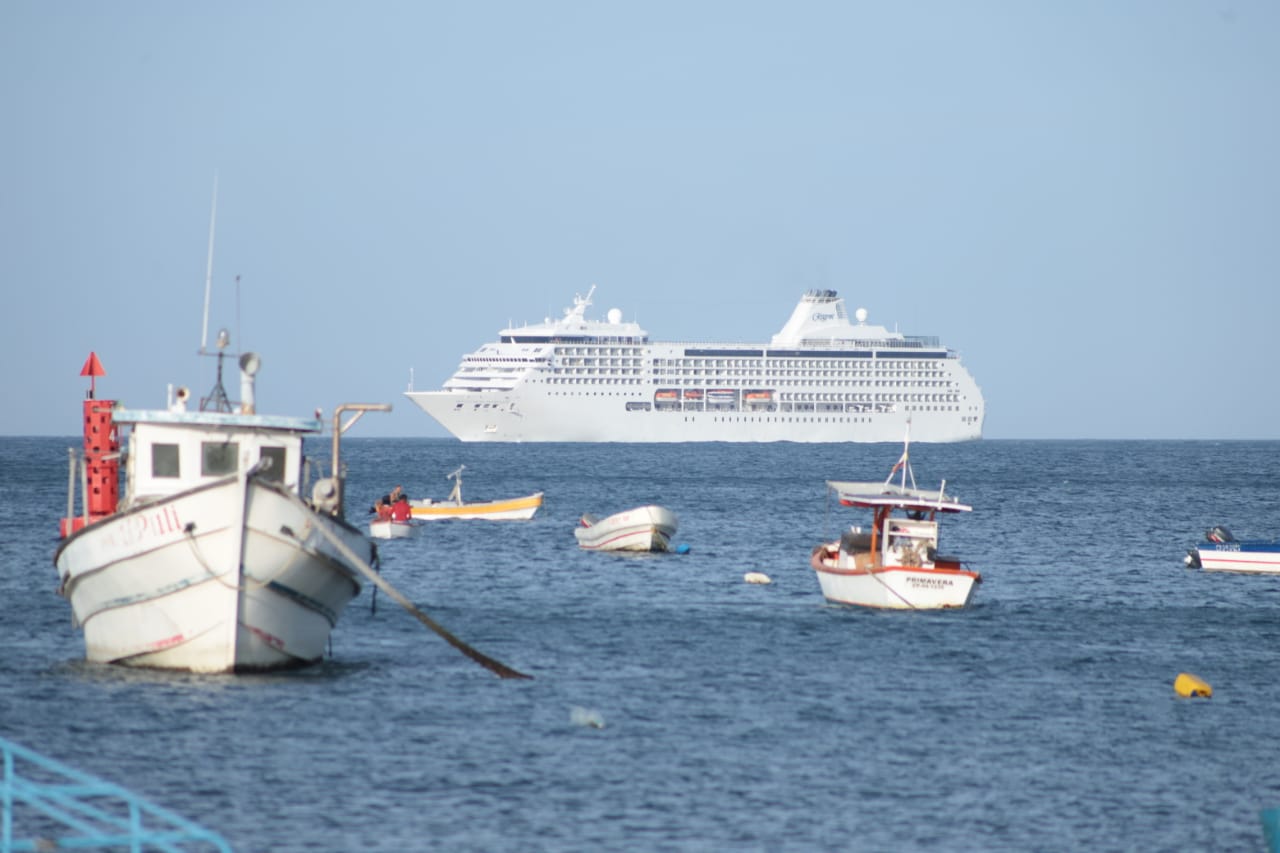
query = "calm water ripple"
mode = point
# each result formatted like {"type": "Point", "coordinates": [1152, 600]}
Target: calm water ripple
{"type": "Point", "coordinates": [728, 715]}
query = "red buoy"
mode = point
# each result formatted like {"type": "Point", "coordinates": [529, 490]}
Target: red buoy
{"type": "Point", "coordinates": [101, 455]}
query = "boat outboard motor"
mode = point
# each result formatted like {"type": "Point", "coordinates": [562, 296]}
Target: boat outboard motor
{"type": "Point", "coordinates": [1218, 533]}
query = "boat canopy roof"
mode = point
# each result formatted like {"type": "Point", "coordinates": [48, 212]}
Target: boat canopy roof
{"type": "Point", "coordinates": [217, 420]}
{"type": "Point", "coordinates": [890, 495]}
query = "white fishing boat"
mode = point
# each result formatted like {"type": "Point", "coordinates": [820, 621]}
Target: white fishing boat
{"type": "Point", "coordinates": [827, 375]}
{"type": "Point", "coordinates": [646, 528]}
{"type": "Point", "coordinates": [1222, 552]}
{"type": "Point", "coordinates": [895, 564]}
{"type": "Point", "coordinates": [509, 509]}
{"type": "Point", "coordinates": [211, 560]}
{"type": "Point", "coordinates": [388, 528]}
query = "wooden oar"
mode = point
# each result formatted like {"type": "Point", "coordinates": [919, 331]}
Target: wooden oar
{"type": "Point", "coordinates": [502, 670]}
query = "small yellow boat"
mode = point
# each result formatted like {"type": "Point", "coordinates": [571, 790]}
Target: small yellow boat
{"type": "Point", "coordinates": [510, 509]}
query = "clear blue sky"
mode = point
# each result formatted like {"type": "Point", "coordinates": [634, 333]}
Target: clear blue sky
{"type": "Point", "coordinates": [1082, 198]}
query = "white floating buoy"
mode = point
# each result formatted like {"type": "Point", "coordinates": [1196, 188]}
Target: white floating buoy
{"type": "Point", "coordinates": [756, 577]}
{"type": "Point", "coordinates": [586, 717]}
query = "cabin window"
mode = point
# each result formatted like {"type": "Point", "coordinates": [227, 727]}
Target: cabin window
{"type": "Point", "coordinates": [218, 458]}
{"type": "Point", "coordinates": [275, 471]}
{"type": "Point", "coordinates": [164, 460]}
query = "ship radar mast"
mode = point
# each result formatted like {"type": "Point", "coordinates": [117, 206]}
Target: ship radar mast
{"type": "Point", "coordinates": [217, 401]}
{"type": "Point", "coordinates": [580, 303]}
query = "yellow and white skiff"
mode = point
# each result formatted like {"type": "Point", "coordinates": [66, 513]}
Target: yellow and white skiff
{"type": "Point", "coordinates": [512, 509]}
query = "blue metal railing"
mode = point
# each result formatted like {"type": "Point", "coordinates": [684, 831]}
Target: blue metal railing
{"type": "Point", "coordinates": [53, 807]}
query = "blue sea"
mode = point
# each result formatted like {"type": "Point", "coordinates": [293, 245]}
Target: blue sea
{"type": "Point", "coordinates": [674, 707]}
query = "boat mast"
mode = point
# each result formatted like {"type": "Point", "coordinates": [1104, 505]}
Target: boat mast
{"type": "Point", "coordinates": [208, 272]}
{"type": "Point", "coordinates": [456, 493]}
{"type": "Point", "coordinates": [904, 463]}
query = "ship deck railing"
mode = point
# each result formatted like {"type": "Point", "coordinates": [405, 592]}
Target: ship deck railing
{"type": "Point", "coordinates": [50, 806]}
{"type": "Point", "coordinates": [905, 342]}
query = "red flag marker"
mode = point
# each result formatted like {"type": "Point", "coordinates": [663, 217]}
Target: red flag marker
{"type": "Point", "coordinates": [93, 369]}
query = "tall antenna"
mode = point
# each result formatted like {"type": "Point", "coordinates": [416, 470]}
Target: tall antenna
{"type": "Point", "coordinates": [208, 274]}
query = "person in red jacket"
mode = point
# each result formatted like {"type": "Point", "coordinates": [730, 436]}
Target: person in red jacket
{"type": "Point", "coordinates": [384, 510]}
{"type": "Point", "coordinates": [400, 510]}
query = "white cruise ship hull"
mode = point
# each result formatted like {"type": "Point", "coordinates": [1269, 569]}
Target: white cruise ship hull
{"type": "Point", "coordinates": [226, 577]}
{"type": "Point", "coordinates": [531, 417]}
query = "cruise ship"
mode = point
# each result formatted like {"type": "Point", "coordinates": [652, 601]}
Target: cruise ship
{"type": "Point", "coordinates": [822, 378]}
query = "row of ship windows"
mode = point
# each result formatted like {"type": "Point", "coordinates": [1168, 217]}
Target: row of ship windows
{"type": "Point", "coordinates": [631, 356]}
{"type": "Point", "coordinates": [599, 362]}
{"type": "Point", "coordinates": [783, 419]}
{"type": "Point", "coordinates": [804, 374]}
{"type": "Point", "coordinates": [718, 361]}
{"type": "Point", "coordinates": [632, 377]}
{"type": "Point", "coordinates": [846, 383]}
{"type": "Point", "coordinates": [774, 365]}
{"type": "Point", "coordinates": [587, 378]}
{"type": "Point", "coordinates": [809, 398]}
{"type": "Point", "coordinates": [789, 363]}
{"type": "Point", "coordinates": [634, 406]}
{"type": "Point", "coordinates": [826, 383]}
{"type": "Point", "coordinates": [598, 351]}
{"type": "Point", "coordinates": [699, 364]}
{"type": "Point", "coordinates": [643, 407]}
{"type": "Point", "coordinates": [506, 366]}
{"type": "Point", "coordinates": [849, 370]}
{"type": "Point", "coordinates": [771, 375]}
{"type": "Point", "coordinates": [855, 398]}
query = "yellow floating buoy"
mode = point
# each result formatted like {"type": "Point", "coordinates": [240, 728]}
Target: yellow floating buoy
{"type": "Point", "coordinates": [1189, 686]}
{"type": "Point", "coordinates": [756, 577]}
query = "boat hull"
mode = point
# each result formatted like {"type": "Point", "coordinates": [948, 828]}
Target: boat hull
{"type": "Point", "coordinates": [515, 509]}
{"type": "Point", "coordinates": [226, 577]}
{"type": "Point", "coordinates": [1246, 557]}
{"type": "Point", "coordinates": [526, 414]}
{"type": "Point", "coordinates": [892, 587]}
{"type": "Point", "coordinates": [392, 529]}
{"type": "Point", "coordinates": [648, 528]}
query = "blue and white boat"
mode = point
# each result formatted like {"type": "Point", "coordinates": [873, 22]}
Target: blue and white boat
{"type": "Point", "coordinates": [1222, 552]}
